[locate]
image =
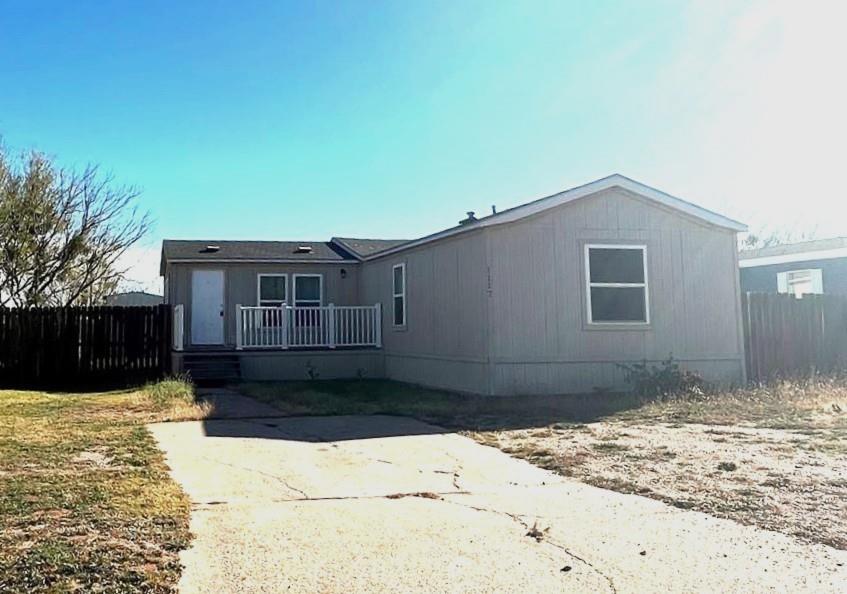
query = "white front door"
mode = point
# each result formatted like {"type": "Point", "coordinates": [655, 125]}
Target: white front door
{"type": "Point", "coordinates": [207, 307]}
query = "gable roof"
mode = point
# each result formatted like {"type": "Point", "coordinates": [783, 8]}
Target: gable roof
{"type": "Point", "coordinates": [542, 204]}
{"type": "Point", "coordinates": [818, 249]}
{"type": "Point", "coordinates": [252, 251]}
{"type": "Point", "coordinates": [366, 247]}
{"type": "Point", "coordinates": [347, 249]}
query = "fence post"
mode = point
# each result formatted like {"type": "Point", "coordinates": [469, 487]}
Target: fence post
{"type": "Point", "coordinates": [239, 328]}
{"type": "Point", "coordinates": [330, 311]}
{"type": "Point", "coordinates": [378, 324]}
{"type": "Point", "coordinates": [166, 328]}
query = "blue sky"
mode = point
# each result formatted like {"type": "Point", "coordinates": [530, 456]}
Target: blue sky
{"type": "Point", "coordinates": [305, 120]}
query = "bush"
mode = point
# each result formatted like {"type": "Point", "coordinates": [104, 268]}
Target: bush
{"type": "Point", "coordinates": [172, 390]}
{"type": "Point", "coordinates": [663, 379]}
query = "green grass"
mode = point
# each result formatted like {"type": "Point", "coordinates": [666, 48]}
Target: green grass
{"type": "Point", "coordinates": [86, 503]}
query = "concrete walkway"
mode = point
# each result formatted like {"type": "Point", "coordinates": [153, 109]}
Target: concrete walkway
{"type": "Point", "coordinates": [385, 504]}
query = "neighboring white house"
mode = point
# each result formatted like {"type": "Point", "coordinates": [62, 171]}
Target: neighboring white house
{"type": "Point", "coordinates": [548, 297]}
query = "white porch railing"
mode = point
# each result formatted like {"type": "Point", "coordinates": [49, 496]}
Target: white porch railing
{"type": "Point", "coordinates": [179, 327]}
{"type": "Point", "coordinates": [327, 326]}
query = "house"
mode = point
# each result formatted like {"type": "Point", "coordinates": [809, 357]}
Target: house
{"type": "Point", "coordinates": [544, 298]}
{"type": "Point", "coordinates": [807, 267]}
{"type": "Point", "coordinates": [132, 299]}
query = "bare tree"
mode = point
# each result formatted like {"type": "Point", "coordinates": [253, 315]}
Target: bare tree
{"type": "Point", "coordinates": [765, 238]}
{"type": "Point", "coordinates": [62, 232]}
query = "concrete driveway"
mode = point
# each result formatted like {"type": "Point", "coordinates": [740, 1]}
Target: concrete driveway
{"type": "Point", "coordinates": [385, 504]}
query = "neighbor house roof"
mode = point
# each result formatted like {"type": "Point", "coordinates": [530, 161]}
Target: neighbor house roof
{"type": "Point", "coordinates": [253, 251]}
{"type": "Point", "coordinates": [133, 298]}
{"type": "Point", "coordinates": [367, 247]}
{"type": "Point", "coordinates": [343, 249]}
{"type": "Point", "coordinates": [818, 249]}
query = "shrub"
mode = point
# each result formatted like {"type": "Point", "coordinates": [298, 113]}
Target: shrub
{"type": "Point", "coordinates": [663, 379]}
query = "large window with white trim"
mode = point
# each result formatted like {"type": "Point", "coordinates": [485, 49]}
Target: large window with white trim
{"type": "Point", "coordinates": [273, 290]}
{"type": "Point", "coordinates": [616, 284]}
{"type": "Point", "coordinates": [308, 290]}
{"type": "Point", "coordinates": [398, 283]}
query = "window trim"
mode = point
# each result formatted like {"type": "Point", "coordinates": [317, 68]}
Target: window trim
{"type": "Point", "coordinates": [588, 285]}
{"type": "Point", "coordinates": [259, 288]}
{"type": "Point", "coordinates": [320, 278]}
{"type": "Point", "coordinates": [402, 295]}
{"type": "Point", "coordinates": [815, 280]}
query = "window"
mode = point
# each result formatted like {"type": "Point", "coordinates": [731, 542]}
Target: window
{"type": "Point", "coordinates": [398, 282]}
{"type": "Point", "coordinates": [273, 290]}
{"type": "Point", "coordinates": [616, 278]}
{"type": "Point", "coordinates": [307, 290]}
{"type": "Point", "coordinates": [800, 282]}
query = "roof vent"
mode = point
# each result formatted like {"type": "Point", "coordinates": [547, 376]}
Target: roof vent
{"type": "Point", "coordinates": [471, 218]}
{"type": "Point", "coordinates": [303, 249]}
{"type": "Point", "coordinates": [211, 249]}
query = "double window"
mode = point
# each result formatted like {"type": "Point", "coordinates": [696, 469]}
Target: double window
{"type": "Point", "coordinates": [616, 284]}
{"type": "Point", "coordinates": [398, 284]}
{"type": "Point", "coordinates": [273, 290]}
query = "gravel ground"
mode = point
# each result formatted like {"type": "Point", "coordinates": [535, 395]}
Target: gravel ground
{"type": "Point", "coordinates": [792, 481]}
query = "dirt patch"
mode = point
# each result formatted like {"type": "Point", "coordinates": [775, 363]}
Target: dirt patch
{"type": "Point", "coordinates": [97, 459]}
{"type": "Point", "coordinates": [791, 481]}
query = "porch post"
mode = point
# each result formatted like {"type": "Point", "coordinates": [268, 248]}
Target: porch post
{"type": "Point", "coordinates": [239, 329]}
{"type": "Point", "coordinates": [330, 311]}
{"type": "Point", "coordinates": [286, 322]}
{"type": "Point", "coordinates": [378, 322]}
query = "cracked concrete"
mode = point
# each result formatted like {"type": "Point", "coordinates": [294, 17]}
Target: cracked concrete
{"type": "Point", "coordinates": [385, 504]}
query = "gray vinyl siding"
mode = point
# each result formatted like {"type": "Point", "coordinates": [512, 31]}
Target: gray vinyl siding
{"type": "Point", "coordinates": [241, 286]}
{"type": "Point", "coordinates": [502, 310]}
{"type": "Point", "coordinates": [444, 342]}
{"type": "Point", "coordinates": [541, 342]}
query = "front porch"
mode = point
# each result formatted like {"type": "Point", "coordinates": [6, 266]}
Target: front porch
{"type": "Point", "coordinates": [287, 343]}
{"type": "Point", "coordinates": [292, 328]}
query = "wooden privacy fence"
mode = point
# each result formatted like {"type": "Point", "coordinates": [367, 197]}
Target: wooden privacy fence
{"type": "Point", "coordinates": [59, 346]}
{"type": "Point", "coordinates": [786, 337]}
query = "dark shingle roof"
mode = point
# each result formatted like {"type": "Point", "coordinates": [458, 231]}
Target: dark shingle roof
{"type": "Point", "coordinates": [366, 247]}
{"type": "Point", "coordinates": [252, 250]}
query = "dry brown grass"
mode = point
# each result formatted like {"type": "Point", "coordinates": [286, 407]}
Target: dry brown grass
{"type": "Point", "coordinates": [817, 402]}
{"type": "Point", "coordinates": [86, 503]}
